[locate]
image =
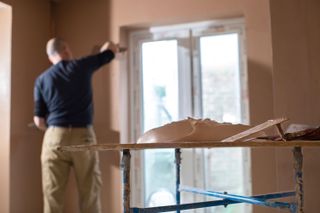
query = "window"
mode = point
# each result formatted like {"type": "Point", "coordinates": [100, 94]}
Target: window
{"type": "Point", "coordinates": [196, 70]}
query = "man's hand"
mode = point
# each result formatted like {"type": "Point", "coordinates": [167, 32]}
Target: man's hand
{"type": "Point", "coordinates": [109, 45]}
{"type": "Point", "coordinates": [40, 123]}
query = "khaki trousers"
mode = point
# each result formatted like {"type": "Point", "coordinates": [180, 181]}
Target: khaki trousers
{"type": "Point", "coordinates": [56, 166]}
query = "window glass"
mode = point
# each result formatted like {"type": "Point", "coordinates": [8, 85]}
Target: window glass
{"type": "Point", "coordinates": [160, 106]}
{"type": "Point", "coordinates": [220, 77]}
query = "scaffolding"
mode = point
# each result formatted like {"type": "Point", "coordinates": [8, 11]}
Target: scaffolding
{"type": "Point", "coordinates": [225, 199]}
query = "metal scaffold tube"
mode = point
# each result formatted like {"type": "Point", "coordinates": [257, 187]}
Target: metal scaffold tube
{"type": "Point", "coordinates": [298, 161]}
{"type": "Point", "coordinates": [125, 164]}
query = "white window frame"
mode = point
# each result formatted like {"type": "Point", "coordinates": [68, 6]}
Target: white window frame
{"type": "Point", "coordinates": [185, 97]}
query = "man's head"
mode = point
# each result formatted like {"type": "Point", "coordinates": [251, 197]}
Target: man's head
{"type": "Point", "coordinates": [57, 50]}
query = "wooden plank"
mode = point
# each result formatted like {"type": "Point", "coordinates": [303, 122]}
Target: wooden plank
{"type": "Point", "coordinates": [255, 129]}
{"type": "Point", "coordinates": [205, 144]}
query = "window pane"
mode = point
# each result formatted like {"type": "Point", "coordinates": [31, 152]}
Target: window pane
{"type": "Point", "coordinates": [160, 83]}
{"type": "Point", "coordinates": [220, 78]}
{"type": "Point", "coordinates": [160, 106]}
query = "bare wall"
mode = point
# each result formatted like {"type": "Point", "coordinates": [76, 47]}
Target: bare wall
{"type": "Point", "coordinates": [296, 55]}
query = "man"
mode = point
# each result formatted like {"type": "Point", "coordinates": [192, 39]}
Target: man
{"type": "Point", "coordinates": [64, 109]}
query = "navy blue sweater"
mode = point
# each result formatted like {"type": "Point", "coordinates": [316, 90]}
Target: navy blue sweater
{"type": "Point", "coordinates": [63, 93]}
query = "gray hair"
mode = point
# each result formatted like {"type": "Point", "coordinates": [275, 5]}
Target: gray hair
{"type": "Point", "coordinates": [55, 46]}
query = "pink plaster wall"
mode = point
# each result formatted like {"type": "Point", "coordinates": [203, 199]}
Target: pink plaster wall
{"type": "Point", "coordinates": [296, 55]}
{"type": "Point", "coordinates": [29, 34]}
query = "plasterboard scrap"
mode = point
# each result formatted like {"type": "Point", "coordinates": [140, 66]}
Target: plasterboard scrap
{"type": "Point", "coordinates": [280, 132]}
{"type": "Point", "coordinates": [168, 132]}
{"type": "Point", "coordinates": [191, 130]}
{"type": "Point", "coordinates": [299, 127]}
{"type": "Point", "coordinates": [306, 134]}
{"type": "Point", "coordinates": [256, 129]}
{"type": "Point", "coordinates": [209, 131]}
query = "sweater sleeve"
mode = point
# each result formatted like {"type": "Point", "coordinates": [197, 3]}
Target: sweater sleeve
{"type": "Point", "coordinates": [40, 107]}
{"type": "Point", "coordinates": [94, 62]}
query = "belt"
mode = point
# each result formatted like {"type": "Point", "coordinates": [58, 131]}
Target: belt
{"type": "Point", "coordinates": [71, 125]}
